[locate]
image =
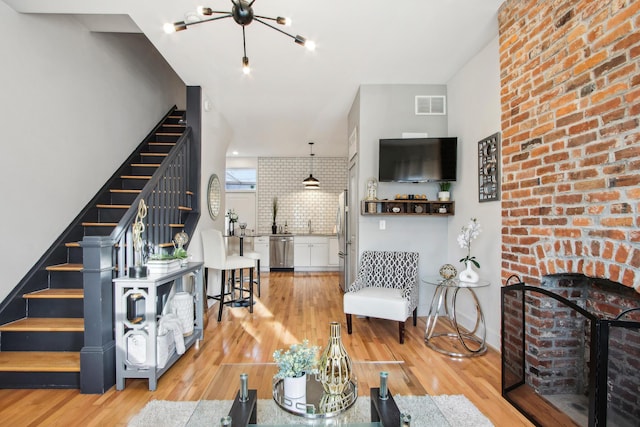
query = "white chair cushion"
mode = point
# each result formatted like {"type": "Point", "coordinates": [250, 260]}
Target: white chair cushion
{"type": "Point", "coordinates": [251, 254]}
{"type": "Point", "coordinates": [383, 303]}
{"type": "Point", "coordinates": [234, 262]}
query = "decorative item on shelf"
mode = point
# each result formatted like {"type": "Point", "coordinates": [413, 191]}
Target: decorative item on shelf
{"type": "Point", "coordinates": [469, 233]}
{"type": "Point", "coordinates": [442, 209]}
{"type": "Point", "coordinates": [293, 367]}
{"type": "Point", "coordinates": [243, 228]}
{"type": "Point", "coordinates": [242, 13]}
{"type": "Point", "coordinates": [372, 194]}
{"type": "Point", "coordinates": [448, 271]}
{"type": "Point", "coordinates": [444, 195]}
{"type": "Point", "coordinates": [418, 209]}
{"type": "Point", "coordinates": [233, 218]}
{"type": "Point", "coordinates": [372, 189]}
{"type": "Point", "coordinates": [335, 364]}
{"type": "Point", "coordinates": [138, 271]}
{"type": "Point", "coordinates": [179, 252]}
{"type": "Point", "coordinates": [274, 215]}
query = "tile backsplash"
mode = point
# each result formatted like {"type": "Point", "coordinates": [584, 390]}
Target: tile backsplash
{"type": "Point", "coordinates": [282, 177]}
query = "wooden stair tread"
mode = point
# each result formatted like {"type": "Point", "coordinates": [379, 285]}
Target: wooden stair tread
{"type": "Point", "coordinates": [176, 225]}
{"type": "Point", "coordinates": [167, 144]}
{"type": "Point", "coordinates": [65, 267]}
{"type": "Point", "coordinates": [118, 190]}
{"type": "Point", "coordinates": [146, 165]}
{"type": "Point", "coordinates": [184, 208]}
{"type": "Point", "coordinates": [103, 206]}
{"type": "Point", "coordinates": [55, 294]}
{"type": "Point", "coordinates": [135, 176]}
{"type": "Point", "coordinates": [99, 224]}
{"type": "Point", "coordinates": [154, 154]}
{"type": "Point", "coordinates": [39, 361]}
{"type": "Point", "coordinates": [45, 324]}
{"type": "Point", "coordinates": [72, 244]}
{"type": "Point", "coordinates": [169, 133]}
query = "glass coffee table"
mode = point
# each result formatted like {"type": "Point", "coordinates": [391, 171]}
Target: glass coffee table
{"type": "Point", "coordinates": [262, 405]}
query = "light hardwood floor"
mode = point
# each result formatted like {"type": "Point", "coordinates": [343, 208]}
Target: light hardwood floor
{"type": "Point", "coordinates": [292, 307]}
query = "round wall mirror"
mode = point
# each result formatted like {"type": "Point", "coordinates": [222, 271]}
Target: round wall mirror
{"type": "Point", "coordinates": [214, 193]}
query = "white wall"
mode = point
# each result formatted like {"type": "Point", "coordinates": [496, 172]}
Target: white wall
{"type": "Point", "coordinates": [74, 105]}
{"type": "Point", "coordinates": [474, 113]}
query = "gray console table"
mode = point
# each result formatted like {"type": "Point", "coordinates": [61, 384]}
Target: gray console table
{"type": "Point", "coordinates": [138, 304]}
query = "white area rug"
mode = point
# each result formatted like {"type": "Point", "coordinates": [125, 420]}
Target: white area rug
{"type": "Point", "coordinates": [432, 411]}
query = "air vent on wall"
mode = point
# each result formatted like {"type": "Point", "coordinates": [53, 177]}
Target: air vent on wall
{"type": "Point", "coordinates": [431, 105]}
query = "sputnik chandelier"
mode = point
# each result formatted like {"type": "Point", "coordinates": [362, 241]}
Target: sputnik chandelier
{"type": "Point", "coordinates": [242, 13]}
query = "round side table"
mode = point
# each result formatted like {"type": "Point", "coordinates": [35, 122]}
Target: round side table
{"type": "Point", "coordinates": [444, 300]}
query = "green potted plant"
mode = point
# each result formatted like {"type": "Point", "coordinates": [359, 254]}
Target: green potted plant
{"type": "Point", "coordinates": [274, 214]}
{"type": "Point", "coordinates": [444, 195]}
{"type": "Point", "coordinates": [293, 367]}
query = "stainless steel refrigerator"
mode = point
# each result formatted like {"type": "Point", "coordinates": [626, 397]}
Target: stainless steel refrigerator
{"type": "Point", "coordinates": [342, 229]}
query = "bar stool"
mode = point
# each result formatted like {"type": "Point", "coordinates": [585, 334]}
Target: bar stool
{"type": "Point", "coordinates": [249, 254]}
{"type": "Point", "coordinates": [215, 256]}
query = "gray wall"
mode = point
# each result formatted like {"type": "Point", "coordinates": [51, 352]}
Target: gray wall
{"type": "Point", "coordinates": [74, 105]}
{"type": "Point", "coordinates": [386, 111]}
{"type": "Point", "coordinates": [474, 99]}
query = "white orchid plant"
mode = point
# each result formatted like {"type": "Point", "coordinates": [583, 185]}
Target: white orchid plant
{"type": "Point", "coordinates": [298, 360]}
{"type": "Point", "coordinates": [469, 233]}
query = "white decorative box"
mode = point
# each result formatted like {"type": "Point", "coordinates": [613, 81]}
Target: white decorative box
{"type": "Point", "coordinates": [158, 267]}
{"type": "Point", "coordinates": [166, 347]}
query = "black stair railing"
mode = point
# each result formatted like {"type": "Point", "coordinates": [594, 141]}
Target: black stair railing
{"type": "Point", "coordinates": [166, 194]}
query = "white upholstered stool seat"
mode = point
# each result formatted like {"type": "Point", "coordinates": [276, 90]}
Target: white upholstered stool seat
{"type": "Point", "coordinates": [254, 256]}
{"type": "Point", "coordinates": [215, 257]}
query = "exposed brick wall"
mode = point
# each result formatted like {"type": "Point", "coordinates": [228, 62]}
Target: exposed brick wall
{"type": "Point", "coordinates": [570, 94]}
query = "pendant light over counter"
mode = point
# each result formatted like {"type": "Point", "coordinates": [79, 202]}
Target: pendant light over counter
{"type": "Point", "coordinates": [310, 182]}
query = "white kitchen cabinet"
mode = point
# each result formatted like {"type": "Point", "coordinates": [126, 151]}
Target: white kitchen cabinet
{"type": "Point", "coordinates": [334, 260]}
{"type": "Point", "coordinates": [261, 245]}
{"type": "Point", "coordinates": [310, 252]}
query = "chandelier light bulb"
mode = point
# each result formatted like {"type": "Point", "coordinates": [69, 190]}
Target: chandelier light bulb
{"type": "Point", "coordinates": [310, 45]}
{"type": "Point", "coordinates": [169, 28]}
{"type": "Point", "coordinates": [205, 11]}
{"type": "Point", "coordinates": [283, 20]}
{"type": "Point", "coordinates": [245, 66]}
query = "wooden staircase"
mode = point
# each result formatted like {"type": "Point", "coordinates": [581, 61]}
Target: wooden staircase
{"type": "Point", "coordinates": [43, 326]}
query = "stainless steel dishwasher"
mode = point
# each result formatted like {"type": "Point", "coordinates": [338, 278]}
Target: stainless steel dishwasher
{"type": "Point", "coordinates": [281, 253]}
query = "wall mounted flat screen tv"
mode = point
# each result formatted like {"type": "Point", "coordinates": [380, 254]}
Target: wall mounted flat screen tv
{"type": "Point", "coordinates": [418, 159]}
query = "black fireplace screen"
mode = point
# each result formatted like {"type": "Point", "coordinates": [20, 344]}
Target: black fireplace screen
{"type": "Point", "coordinates": [570, 356]}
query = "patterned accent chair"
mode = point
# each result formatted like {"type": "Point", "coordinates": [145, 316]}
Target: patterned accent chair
{"type": "Point", "coordinates": [386, 288]}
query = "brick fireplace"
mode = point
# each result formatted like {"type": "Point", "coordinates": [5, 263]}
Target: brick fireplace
{"type": "Point", "coordinates": [570, 95]}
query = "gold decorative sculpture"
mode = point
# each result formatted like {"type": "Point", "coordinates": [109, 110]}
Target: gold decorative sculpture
{"type": "Point", "coordinates": [138, 271]}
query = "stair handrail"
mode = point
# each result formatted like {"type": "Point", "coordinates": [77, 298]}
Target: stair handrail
{"type": "Point", "coordinates": [178, 157]}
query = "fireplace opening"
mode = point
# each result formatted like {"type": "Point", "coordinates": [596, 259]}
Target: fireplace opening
{"type": "Point", "coordinates": [571, 351]}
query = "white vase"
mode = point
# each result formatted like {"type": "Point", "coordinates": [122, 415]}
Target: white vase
{"type": "Point", "coordinates": [469, 274]}
{"type": "Point", "coordinates": [295, 388]}
{"type": "Point", "coordinates": [444, 196]}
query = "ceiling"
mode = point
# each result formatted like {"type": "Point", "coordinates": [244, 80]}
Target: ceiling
{"type": "Point", "coordinates": [294, 96]}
